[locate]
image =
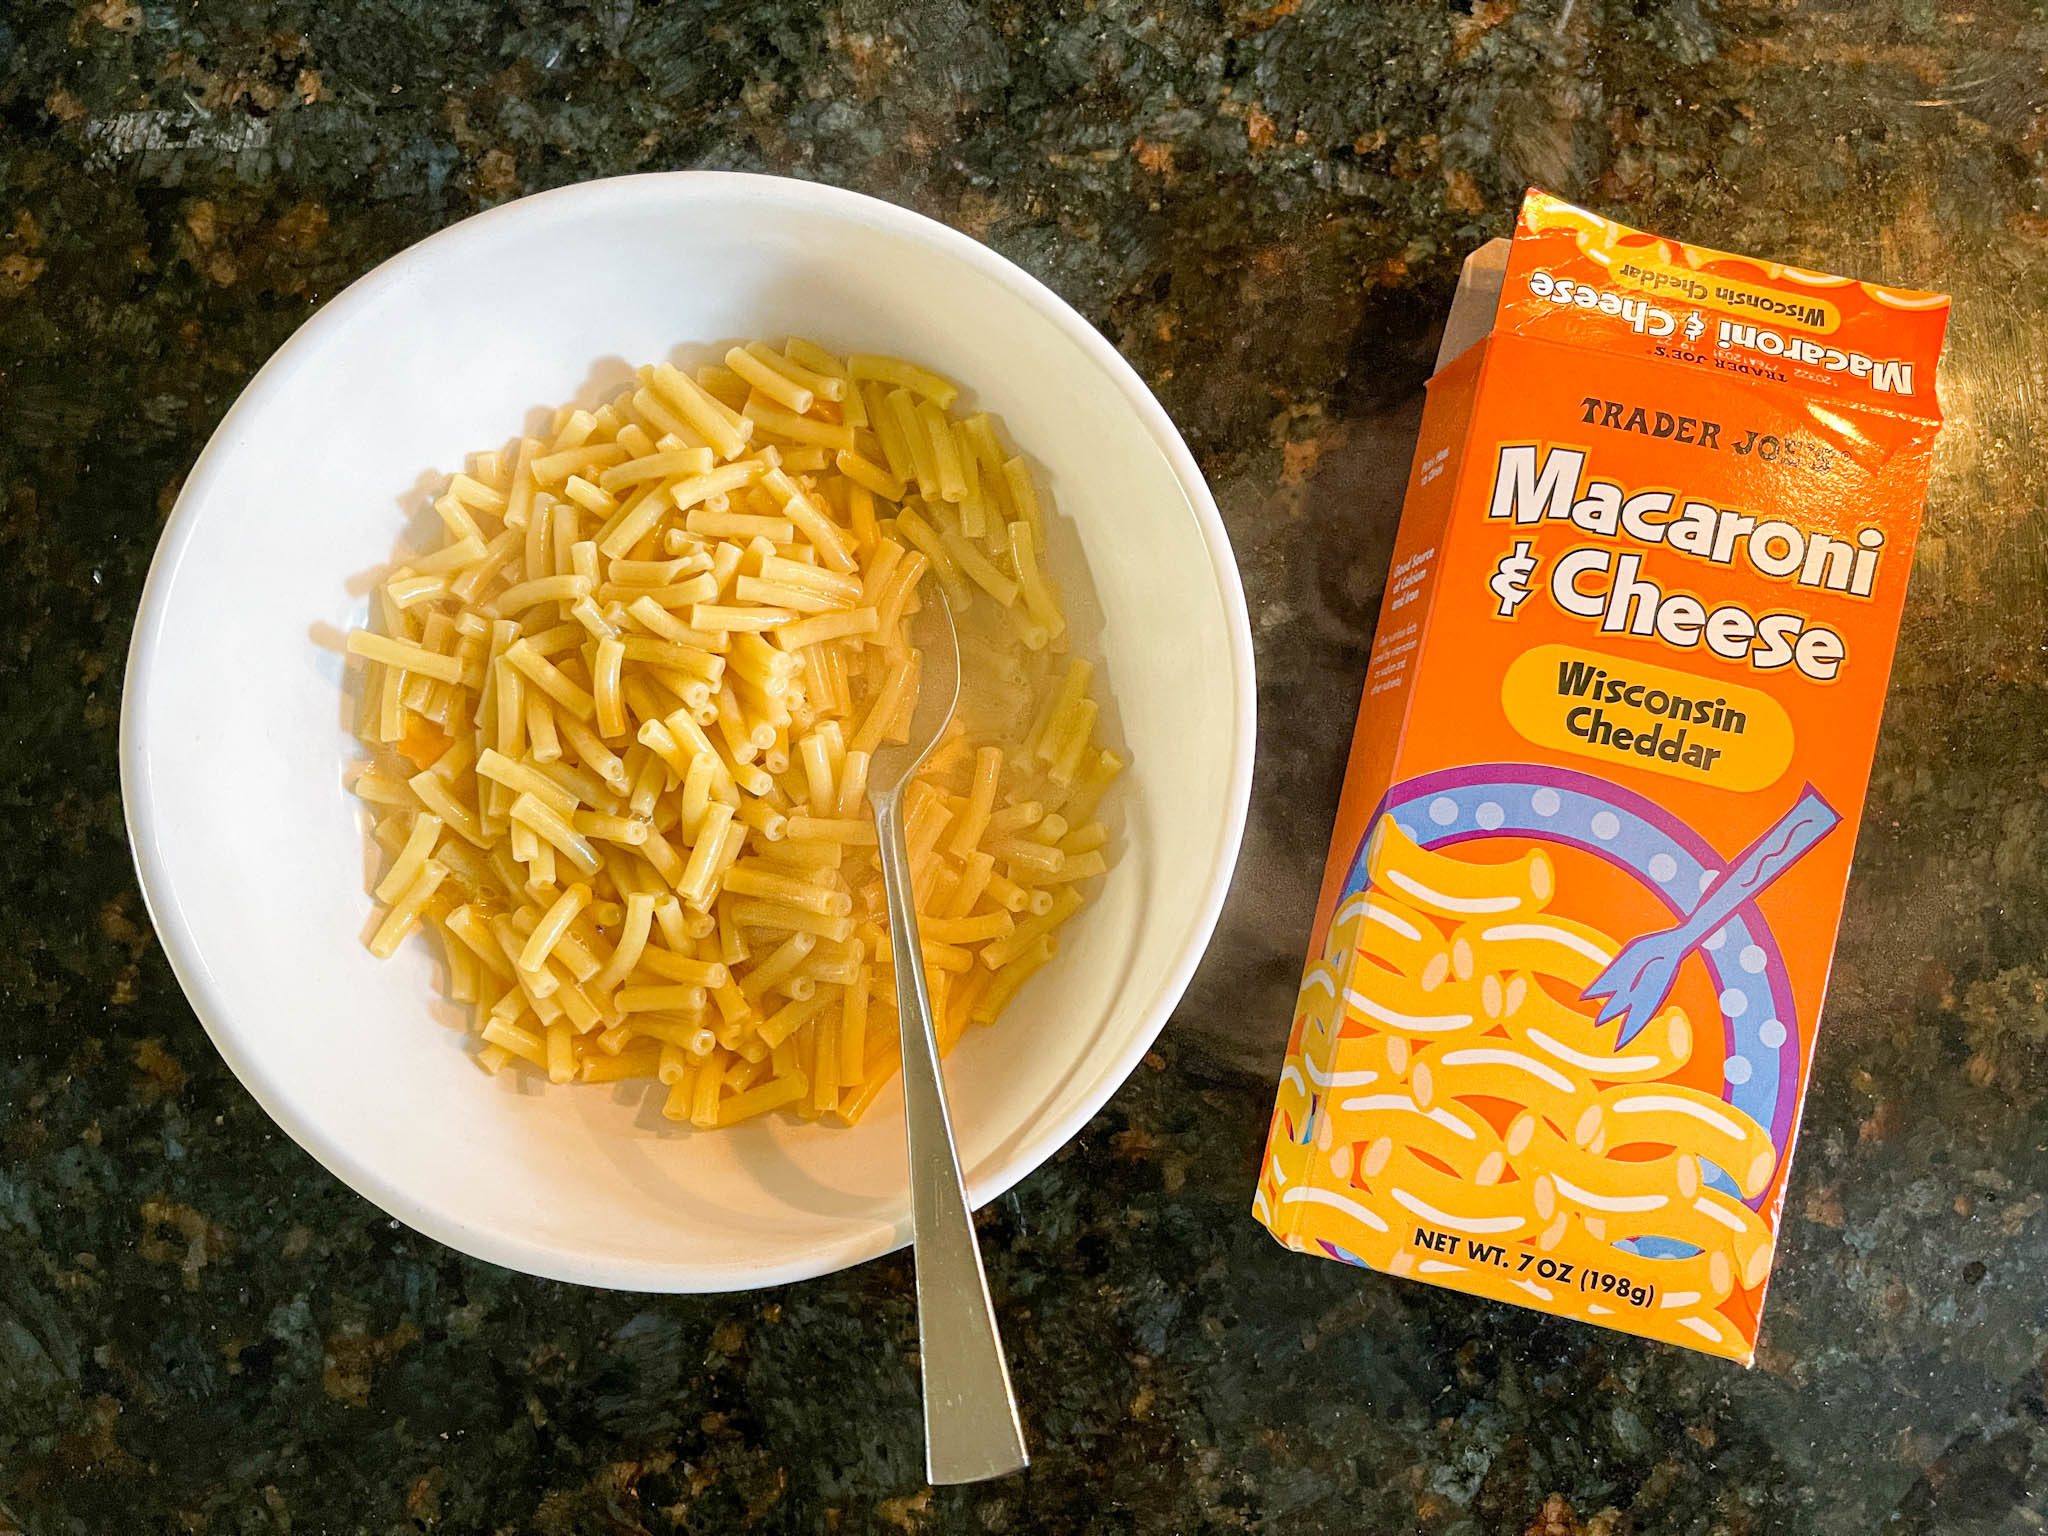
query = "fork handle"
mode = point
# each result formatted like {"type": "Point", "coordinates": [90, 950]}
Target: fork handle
{"type": "Point", "coordinates": [970, 1415]}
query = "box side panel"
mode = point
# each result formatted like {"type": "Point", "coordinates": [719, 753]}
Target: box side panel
{"type": "Point", "coordinates": [1285, 1184]}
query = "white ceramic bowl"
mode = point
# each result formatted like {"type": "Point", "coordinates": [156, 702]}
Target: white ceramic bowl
{"type": "Point", "coordinates": [233, 746]}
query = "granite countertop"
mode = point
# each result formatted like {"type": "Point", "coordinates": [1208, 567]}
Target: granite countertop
{"type": "Point", "coordinates": [1263, 205]}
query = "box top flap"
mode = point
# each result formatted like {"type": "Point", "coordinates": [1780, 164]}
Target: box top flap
{"type": "Point", "coordinates": [1575, 277]}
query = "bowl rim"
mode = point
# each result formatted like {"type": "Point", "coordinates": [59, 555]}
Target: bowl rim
{"type": "Point", "coordinates": [142, 814]}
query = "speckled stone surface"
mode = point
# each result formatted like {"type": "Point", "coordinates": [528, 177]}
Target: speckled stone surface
{"type": "Point", "coordinates": [1263, 205]}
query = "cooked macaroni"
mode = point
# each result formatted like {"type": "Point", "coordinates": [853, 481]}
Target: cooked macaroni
{"type": "Point", "coordinates": [620, 723]}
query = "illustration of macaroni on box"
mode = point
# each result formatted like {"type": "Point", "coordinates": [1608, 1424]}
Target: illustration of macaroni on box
{"type": "Point", "coordinates": [1576, 925]}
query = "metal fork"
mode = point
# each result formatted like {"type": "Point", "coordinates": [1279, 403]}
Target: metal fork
{"type": "Point", "coordinates": [971, 1430]}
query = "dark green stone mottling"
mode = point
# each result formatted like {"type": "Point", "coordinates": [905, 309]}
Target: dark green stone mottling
{"type": "Point", "coordinates": [1263, 207]}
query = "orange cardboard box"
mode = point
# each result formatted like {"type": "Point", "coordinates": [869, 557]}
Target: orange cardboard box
{"type": "Point", "coordinates": [1581, 899]}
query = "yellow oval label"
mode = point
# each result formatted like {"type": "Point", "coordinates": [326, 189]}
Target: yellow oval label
{"type": "Point", "coordinates": [1638, 715]}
